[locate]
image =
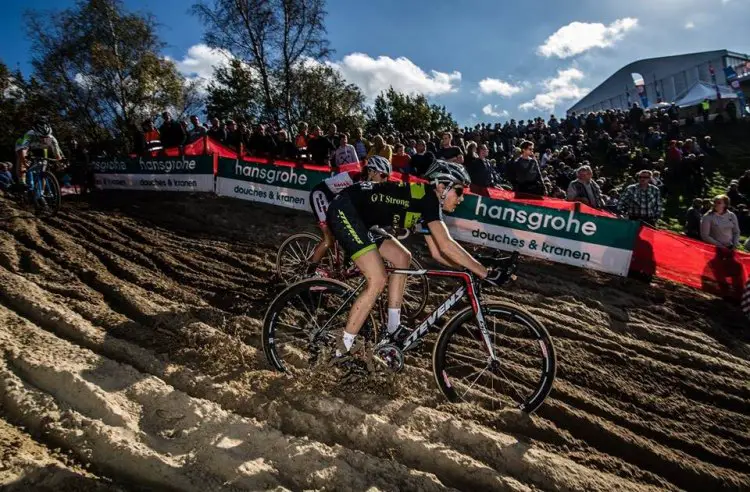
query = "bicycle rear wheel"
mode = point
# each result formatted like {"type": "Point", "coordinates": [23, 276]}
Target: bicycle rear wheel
{"type": "Point", "coordinates": [523, 373]}
{"type": "Point", "coordinates": [302, 323]}
{"type": "Point", "coordinates": [293, 257]}
{"type": "Point", "coordinates": [51, 196]}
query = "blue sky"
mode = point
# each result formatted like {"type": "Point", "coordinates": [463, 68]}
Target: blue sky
{"type": "Point", "coordinates": [486, 60]}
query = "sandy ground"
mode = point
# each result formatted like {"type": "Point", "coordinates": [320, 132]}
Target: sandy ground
{"type": "Point", "coordinates": [130, 360]}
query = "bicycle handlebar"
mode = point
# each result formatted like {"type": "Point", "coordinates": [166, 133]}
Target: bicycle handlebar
{"type": "Point", "coordinates": [507, 264]}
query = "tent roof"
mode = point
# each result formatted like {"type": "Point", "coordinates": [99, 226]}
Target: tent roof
{"type": "Point", "coordinates": [700, 91]}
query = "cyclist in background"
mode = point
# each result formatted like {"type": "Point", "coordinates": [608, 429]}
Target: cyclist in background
{"type": "Point", "coordinates": [39, 138]}
{"type": "Point", "coordinates": [376, 170]}
{"type": "Point", "coordinates": [364, 205]}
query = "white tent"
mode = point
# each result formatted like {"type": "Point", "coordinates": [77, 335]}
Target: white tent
{"type": "Point", "coordinates": [700, 91]}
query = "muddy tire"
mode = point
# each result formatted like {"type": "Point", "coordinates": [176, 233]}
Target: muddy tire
{"type": "Point", "coordinates": [302, 324]}
{"type": "Point", "coordinates": [293, 256]}
{"type": "Point", "coordinates": [522, 376]}
{"type": "Point", "coordinates": [52, 195]}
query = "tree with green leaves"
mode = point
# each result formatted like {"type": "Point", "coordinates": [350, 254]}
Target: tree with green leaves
{"type": "Point", "coordinates": [401, 112]}
{"type": "Point", "coordinates": [320, 95]}
{"type": "Point", "coordinates": [102, 67]}
{"type": "Point", "coordinates": [235, 93]}
{"type": "Point", "coordinates": [272, 37]}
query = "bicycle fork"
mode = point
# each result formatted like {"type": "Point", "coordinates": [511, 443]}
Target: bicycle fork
{"type": "Point", "coordinates": [479, 315]}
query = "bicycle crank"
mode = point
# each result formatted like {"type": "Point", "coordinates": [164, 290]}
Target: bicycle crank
{"type": "Point", "coordinates": [390, 357]}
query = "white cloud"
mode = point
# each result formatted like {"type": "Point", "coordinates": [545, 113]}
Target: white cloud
{"type": "Point", "coordinates": [499, 87]}
{"type": "Point", "coordinates": [689, 25]}
{"type": "Point", "coordinates": [374, 75]}
{"type": "Point", "coordinates": [563, 87]}
{"type": "Point", "coordinates": [200, 63]}
{"type": "Point", "coordinates": [579, 37]}
{"type": "Point", "coordinates": [473, 116]}
{"type": "Point", "coordinates": [491, 110]}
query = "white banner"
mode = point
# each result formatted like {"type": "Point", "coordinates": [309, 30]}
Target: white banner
{"type": "Point", "coordinates": [155, 182]}
{"type": "Point", "coordinates": [586, 255]}
{"type": "Point", "coordinates": [264, 193]}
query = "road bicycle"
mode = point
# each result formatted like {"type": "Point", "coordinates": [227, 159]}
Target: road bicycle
{"type": "Point", "coordinates": [490, 353]}
{"type": "Point", "coordinates": [43, 189]}
{"type": "Point", "coordinates": [293, 258]}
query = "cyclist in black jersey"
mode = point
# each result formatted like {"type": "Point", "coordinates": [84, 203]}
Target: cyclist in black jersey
{"type": "Point", "coordinates": [401, 205]}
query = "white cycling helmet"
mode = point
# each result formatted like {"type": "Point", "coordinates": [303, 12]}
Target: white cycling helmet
{"type": "Point", "coordinates": [448, 173]}
{"type": "Point", "coordinates": [379, 165]}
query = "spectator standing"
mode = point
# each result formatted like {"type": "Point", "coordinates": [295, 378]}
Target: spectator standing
{"type": "Point", "coordinates": [584, 189]}
{"type": "Point", "coordinates": [320, 148]}
{"type": "Point", "coordinates": [261, 143]}
{"type": "Point", "coordinates": [345, 153]}
{"type": "Point", "coordinates": [171, 131]}
{"type": "Point", "coordinates": [361, 144]}
{"type": "Point", "coordinates": [524, 173]}
{"type": "Point", "coordinates": [233, 139]}
{"type": "Point", "coordinates": [285, 150]}
{"type": "Point", "coordinates": [217, 131]}
{"type": "Point", "coordinates": [693, 219]}
{"type": "Point", "coordinates": [642, 201]}
{"type": "Point", "coordinates": [401, 160]}
{"type": "Point", "coordinates": [734, 195]}
{"type": "Point", "coordinates": [379, 147]}
{"type": "Point", "coordinates": [198, 131]}
{"type": "Point", "coordinates": [302, 138]}
{"type": "Point", "coordinates": [480, 168]}
{"type": "Point", "coordinates": [149, 139]}
{"type": "Point", "coordinates": [422, 160]}
{"type": "Point", "coordinates": [6, 178]}
{"type": "Point", "coordinates": [448, 151]}
{"type": "Point", "coordinates": [720, 226]}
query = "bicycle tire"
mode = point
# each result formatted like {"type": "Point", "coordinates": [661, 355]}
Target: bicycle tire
{"type": "Point", "coordinates": [523, 364]}
{"type": "Point", "coordinates": [290, 258]}
{"type": "Point", "coordinates": [54, 201]}
{"type": "Point", "coordinates": [343, 296]}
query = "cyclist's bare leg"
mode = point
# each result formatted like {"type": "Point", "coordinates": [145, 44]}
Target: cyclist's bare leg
{"type": "Point", "coordinates": [400, 257]}
{"type": "Point", "coordinates": [324, 245]}
{"type": "Point", "coordinates": [372, 267]}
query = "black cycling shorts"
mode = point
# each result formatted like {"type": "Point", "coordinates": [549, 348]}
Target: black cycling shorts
{"type": "Point", "coordinates": [349, 229]}
{"type": "Point", "coordinates": [320, 197]}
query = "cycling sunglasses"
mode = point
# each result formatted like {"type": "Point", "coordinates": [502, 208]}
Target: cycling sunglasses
{"type": "Point", "coordinates": [459, 190]}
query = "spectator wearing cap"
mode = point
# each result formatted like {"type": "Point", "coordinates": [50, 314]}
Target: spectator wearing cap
{"type": "Point", "coordinates": [584, 189]}
{"type": "Point", "coordinates": [642, 201]}
{"type": "Point", "coordinates": [720, 226]}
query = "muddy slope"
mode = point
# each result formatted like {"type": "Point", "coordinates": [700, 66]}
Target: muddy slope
{"type": "Point", "coordinates": [129, 337]}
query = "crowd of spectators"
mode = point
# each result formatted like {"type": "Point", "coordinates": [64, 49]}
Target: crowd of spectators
{"type": "Point", "coordinates": [627, 162]}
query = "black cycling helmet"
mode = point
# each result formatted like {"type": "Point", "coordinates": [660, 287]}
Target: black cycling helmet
{"type": "Point", "coordinates": [448, 173]}
{"type": "Point", "coordinates": [41, 128]}
{"type": "Point", "coordinates": [379, 165]}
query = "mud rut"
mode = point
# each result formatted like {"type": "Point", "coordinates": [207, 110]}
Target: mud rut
{"type": "Point", "coordinates": [129, 338]}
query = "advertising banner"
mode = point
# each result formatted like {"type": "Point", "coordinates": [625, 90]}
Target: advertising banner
{"type": "Point", "coordinates": [194, 173]}
{"type": "Point", "coordinates": [282, 186]}
{"type": "Point", "coordinates": [562, 236]}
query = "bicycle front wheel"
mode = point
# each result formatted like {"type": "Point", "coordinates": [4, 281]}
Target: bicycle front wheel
{"type": "Point", "coordinates": [293, 256]}
{"type": "Point", "coordinates": [50, 197]}
{"type": "Point", "coordinates": [302, 323]}
{"type": "Point", "coordinates": [520, 375]}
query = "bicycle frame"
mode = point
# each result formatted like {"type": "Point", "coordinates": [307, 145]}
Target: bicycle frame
{"type": "Point", "coordinates": [468, 288]}
{"type": "Point", "coordinates": [33, 180]}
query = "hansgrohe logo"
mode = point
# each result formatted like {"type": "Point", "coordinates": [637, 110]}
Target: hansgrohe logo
{"type": "Point", "coordinates": [167, 166]}
{"type": "Point", "coordinates": [535, 220]}
{"type": "Point", "coordinates": [270, 174]}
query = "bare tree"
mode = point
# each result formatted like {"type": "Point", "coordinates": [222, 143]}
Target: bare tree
{"type": "Point", "coordinates": [273, 37]}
